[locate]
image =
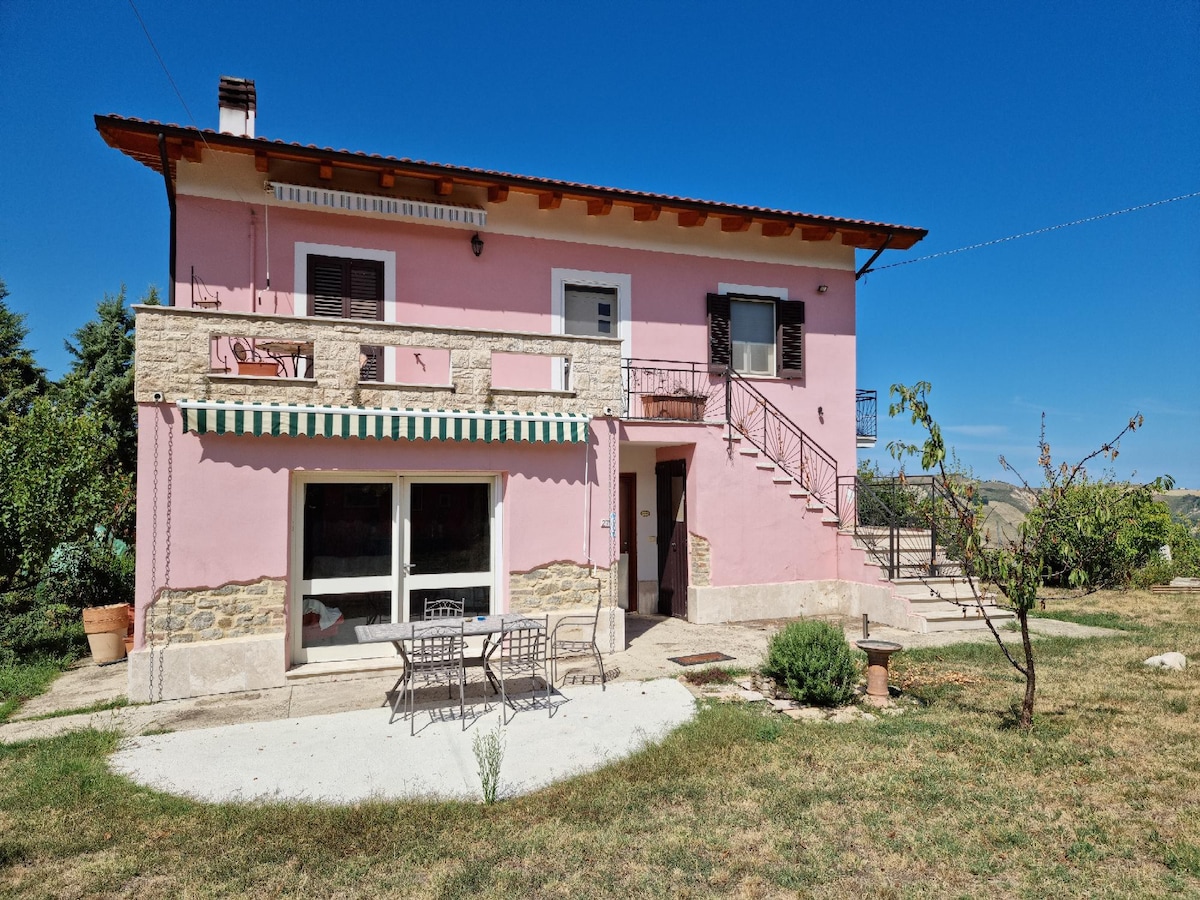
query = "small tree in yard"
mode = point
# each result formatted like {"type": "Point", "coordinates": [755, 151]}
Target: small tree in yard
{"type": "Point", "coordinates": [1060, 541]}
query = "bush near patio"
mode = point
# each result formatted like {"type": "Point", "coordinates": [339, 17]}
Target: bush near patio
{"type": "Point", "coordinates": [812, 661]}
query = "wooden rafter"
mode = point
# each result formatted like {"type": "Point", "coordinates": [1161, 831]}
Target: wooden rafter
{"type": "Point", "coordinates": [692, 218]}
{"type": "Point", "coordinates": [599, 206]}
{"type": "Point", "coordinates": [443, 187]}
{"type": "Point", "coordinates": [776, 228]}
{"type": "Point", "coordinates": [735, 223]}
{"type": "Point", "coordinates": [497, 193]}
{"type": "Point", "coordinates": [387, 178]}
{"type": "Point", "coordinates": [815, 233]}
{"type": "Point", "coordinates": [857, 238]}
{"type": "Point", "coordinates": [325, 170]}
{"type": "Point", "coordinates": [262, 162]}
{"type": "Point", "coordinates": [646, 212]}
{"type": "Point", "coordinates": [550, 200]}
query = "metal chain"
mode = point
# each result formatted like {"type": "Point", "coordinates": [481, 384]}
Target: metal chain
{"type": "Point", "coordinates": [167, 552]}
{"type": "Point", "coordinates": [149, 621]}
{"type": "Point", "coordinates": [614, 539]}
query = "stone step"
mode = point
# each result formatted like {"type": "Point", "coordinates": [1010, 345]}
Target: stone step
{"type": "Point", "coordinates": [945, 588]}
{"type": "Point", "coordinates": [951, 617]}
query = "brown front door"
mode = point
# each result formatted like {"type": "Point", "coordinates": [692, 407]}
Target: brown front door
{"type": "Point", "coordinates": [628, 538]}
{"type": "Point", "coordinates": [672, 538]}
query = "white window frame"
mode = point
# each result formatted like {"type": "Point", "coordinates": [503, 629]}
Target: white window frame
{"type": "Point", "coordinates": [304, 250]}
{"type": "Point", "coordinates": [748, 293]}
{"type": "Point", "coordinates": [561, 279]}
{"type": "Point", "coordinates": [401, 520]}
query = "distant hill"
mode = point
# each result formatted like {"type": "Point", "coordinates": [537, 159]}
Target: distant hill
{"type": "Point", "coordinates": [1005, 506]}
{"type": "Point", "coordinates": [1184, 505]}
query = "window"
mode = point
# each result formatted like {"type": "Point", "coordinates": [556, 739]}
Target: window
{"type": "Point", "coordinates": [752, 334]}
{"type": "Point", "coordinates": [343, 288]}
{"type": "Point", "coordinates": [756, 335]}
{"type": "Point", "coordinates": [589, 311]}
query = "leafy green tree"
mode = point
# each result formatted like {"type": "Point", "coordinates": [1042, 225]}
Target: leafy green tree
{"type": "Point", "coordinates": [1128, 528]}
{"type": "Point", "coordinates": [55, 486]}
{"type": "Point", "coordinates": [21, 380]}
{"type": "Point", "coordinates": [100, 380]}
{"type": "Point", "coordinates": [1055, 542]}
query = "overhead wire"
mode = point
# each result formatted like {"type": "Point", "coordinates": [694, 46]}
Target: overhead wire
{"type": "Point", "coordinates": [1024, 234]}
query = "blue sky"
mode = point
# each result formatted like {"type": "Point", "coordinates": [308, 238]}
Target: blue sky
{"type": "Point", "coordinates": [975, 121]}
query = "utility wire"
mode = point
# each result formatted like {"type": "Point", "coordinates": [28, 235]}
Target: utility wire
{"type": "Point", "coordinates": [166, 71]}
{"type": "Point", "coordinates": [1013, 237]}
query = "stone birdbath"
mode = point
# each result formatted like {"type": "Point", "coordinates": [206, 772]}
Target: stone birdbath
{"type": "Point", "coordinates": [877, 668]}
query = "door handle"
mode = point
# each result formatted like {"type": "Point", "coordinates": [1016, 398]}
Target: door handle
{"type": "Point", "coordinates": [408, 568]}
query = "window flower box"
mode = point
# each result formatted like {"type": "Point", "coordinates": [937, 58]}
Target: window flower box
{"type": "Point", "coordinates": [679, 407]}
{"type": "Point", "coordinates": [253, 367]}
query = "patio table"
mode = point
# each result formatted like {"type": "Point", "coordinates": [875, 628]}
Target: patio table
{"type": "Point", "coordinates": [400, 633]}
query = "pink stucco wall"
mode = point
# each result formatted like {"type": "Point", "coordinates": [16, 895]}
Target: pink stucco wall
{"type": "Point", "coordinates": [757, 533]}
{"type": "Point", "coordinates": [439, 282]}
{"type": "Point", "coordinates": [226, 498]}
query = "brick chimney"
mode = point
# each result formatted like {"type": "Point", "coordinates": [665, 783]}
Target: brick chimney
{"type": "Point", "coordinates": [236, 100]}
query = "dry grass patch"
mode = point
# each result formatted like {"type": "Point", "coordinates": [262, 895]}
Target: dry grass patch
{"type": "Point", "coordinates": [948, 799]}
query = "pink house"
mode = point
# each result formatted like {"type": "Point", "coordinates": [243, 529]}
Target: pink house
{"type": "Point", "coordinates": [380, 380]}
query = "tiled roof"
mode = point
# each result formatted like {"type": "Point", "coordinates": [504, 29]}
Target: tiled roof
{"type": "Point", "coordinates": [138, 139]}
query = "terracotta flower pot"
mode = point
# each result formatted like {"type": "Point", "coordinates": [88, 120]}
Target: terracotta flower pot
{"type": "Point", "coordinates": [100, 619]}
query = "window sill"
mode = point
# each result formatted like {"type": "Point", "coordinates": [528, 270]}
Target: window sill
{"type": "Point", "coordinates": [261, 379]}
{"type": "Point", "coordinates": [533, 392]}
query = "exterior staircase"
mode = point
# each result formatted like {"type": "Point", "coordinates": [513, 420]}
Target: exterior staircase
{"type": "Point", "coordinates": [922, 583]}
{"type": "Point", "coordinates": [926, 602]}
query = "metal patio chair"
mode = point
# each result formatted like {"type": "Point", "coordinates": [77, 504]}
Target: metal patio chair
{"type": "Point", "coordinates": [575, 637]}
{"type": "Point", "coordinates": [443, 608]}
{"type": "Point", "coordinates": [436, 658]}
{"type": "Point", "coordinates": [522, 653]}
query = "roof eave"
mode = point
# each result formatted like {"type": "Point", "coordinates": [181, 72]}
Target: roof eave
{"type": "Point", "coordinates": [138, 139]}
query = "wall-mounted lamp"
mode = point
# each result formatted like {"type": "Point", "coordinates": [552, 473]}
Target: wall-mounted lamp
{"type": "Point", "coordinates": [821, 288]}
{"type": "Point", "coordinates": [476, 244]}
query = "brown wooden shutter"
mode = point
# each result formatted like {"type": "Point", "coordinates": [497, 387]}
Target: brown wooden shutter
{"type": "Point", "coordinates": [789, 326]}
{"type": "Point", "coordinates": [720, 349]}
{"type": "Point", "coordinates": [345, 288]}
{"type": "Point", "coordinates": [325, 287]}
{"type": "Point", "coordinates": [365, 295]}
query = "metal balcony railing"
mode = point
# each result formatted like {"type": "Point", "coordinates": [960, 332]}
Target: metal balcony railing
{"type": "Point", "coordinates": [689, 392]}
{"type": "Point", "coordinates": [866, 415]}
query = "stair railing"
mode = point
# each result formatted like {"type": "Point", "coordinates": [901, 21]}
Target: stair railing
{"type": "Point", "coordinates": [781, 440]}
{"type": "Point", "coordinates": [672, 391]}
{"type": "Point", "coordinates": [905, 524]}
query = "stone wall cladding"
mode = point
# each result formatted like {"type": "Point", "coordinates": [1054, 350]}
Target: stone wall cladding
{"type": "Point", "coordinates": [214, 614]}
{"type": "Point", "coordinates": [554, 586]}
{"type": "Point", "coordinates": [700, 557]}
{"type": "Point", "coordinates": [174, 346]}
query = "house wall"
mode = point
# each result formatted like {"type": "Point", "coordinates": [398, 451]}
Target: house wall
{"type": "Point", "coordinates": [218, 506]}
{"type": "Point", "coordinates": [439, 283]}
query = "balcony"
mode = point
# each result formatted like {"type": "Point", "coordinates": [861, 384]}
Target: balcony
{"type": "Point", "coordinates": [203, 354]}
{"type": "Point", "coordinates": [865, 417]}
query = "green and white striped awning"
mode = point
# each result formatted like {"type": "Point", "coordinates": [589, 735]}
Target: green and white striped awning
{"type": "Point", "coordinates": [219, 417]}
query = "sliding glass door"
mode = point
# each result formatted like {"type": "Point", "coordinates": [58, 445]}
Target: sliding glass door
{"type": "Point", "coordinates": [373, 548]}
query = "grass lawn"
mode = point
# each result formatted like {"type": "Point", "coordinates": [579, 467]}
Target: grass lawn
{"type": "Point", "coordinates": [947, 800]}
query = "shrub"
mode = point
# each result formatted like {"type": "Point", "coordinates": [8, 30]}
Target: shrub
{"type": "Point", "coordinates": [813, 662]}
{"type": "Point", "coordinates": [85, 573]}
{"type": "Point", "coordinates": [31, 632]}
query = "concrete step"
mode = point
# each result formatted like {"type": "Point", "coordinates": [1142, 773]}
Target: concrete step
{"type": "Point", "coordinates": [952, 617]}
{"type": "Point", "coordinates": [919, 590]}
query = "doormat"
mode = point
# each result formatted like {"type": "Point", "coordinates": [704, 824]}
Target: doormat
{"type": "Point", "coordinates": [697, 659]}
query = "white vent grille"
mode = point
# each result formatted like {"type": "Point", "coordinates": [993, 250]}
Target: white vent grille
{"type": "Point", "coordinates": [401, 207]}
